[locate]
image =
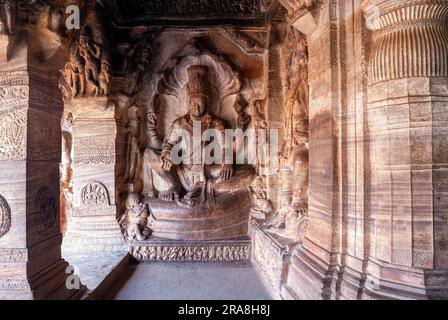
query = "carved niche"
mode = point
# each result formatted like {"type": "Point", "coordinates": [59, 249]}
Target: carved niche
{"type": "Point", "coordinates": [194, 86]}
{"type": "Point", "coordinates": [46, 211]}
{"type": "Point", "coordinates": [5, 216]}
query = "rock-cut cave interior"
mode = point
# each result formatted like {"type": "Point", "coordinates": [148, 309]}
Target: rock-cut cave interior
{"type": "Point", "coordinates": [224, 149]}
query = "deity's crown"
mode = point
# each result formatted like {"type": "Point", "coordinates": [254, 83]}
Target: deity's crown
{"type": "Point", "coordinates": [198, 83]}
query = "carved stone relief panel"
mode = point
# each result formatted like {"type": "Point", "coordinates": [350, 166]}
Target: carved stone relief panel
{"type": "Point", "coordinates": [196, 252]}
{"type": "Point", "coordinates": [94, 194]}
{"type": "Point", "coordinates": [95, 201]}
{"type": "Point", "coordinates": [12, 134]}
{"type": "Point", "coordinates": [291, 218]}
{"type": "Point", "coordinates": [87, 72]}
{"type": "Point", "coordinates": [5, 216]}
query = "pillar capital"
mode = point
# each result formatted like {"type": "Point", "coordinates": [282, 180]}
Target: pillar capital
{"type": "Point", "coordinates": [409, 38]}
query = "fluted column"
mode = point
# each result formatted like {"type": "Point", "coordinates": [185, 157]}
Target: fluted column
{"type": "Point", "coordinates": [408, 127]}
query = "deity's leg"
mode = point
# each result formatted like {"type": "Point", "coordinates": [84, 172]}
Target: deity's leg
{"type": "Point", "coordinates": [163, 182]}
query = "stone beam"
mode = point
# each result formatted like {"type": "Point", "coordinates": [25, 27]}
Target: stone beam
{"type": "Point", "coordinates": [301, 15]}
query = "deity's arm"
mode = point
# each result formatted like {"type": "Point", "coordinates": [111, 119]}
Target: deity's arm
{"type": "Point", "coordinates": [171, 139]}
{"type": "Point", "coordinates": [154, 142]}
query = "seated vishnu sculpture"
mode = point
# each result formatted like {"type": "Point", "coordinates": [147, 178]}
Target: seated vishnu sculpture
{"type": "Point", "coordinates": [190, 183]}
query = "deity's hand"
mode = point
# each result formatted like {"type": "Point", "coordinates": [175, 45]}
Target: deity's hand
{"type": "Point", "coordinates": [243, 120]}
{"type": "Point", "coordinates": [152, 120]}
{"type": "Point", "coordinates": [166, 163]}
{"type": "Point", "coordinates": [226, 172]}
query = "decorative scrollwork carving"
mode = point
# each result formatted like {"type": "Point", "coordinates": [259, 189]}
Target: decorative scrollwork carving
{"type": "Point", "coordinates": [12, 134]}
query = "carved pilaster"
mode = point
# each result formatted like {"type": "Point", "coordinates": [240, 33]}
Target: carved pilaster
{"type": "Point", "coordinates": [92, 223]}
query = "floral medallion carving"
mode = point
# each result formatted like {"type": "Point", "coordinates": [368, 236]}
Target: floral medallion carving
{"type": "Point", "coordinates": [5, 216]}
{"type": "Point", "coordinates": [95, 194]}
{"type": "Point", "coordinates": [45, 205]}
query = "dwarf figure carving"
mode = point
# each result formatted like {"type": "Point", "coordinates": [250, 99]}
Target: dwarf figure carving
{"type": "Point", "coordinates": [135, 220]}
{"type": "Point", "coordinates": [261, 205]}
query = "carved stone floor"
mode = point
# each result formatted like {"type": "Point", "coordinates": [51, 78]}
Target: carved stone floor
{"type": "Point", "coordinates": [189, 281]}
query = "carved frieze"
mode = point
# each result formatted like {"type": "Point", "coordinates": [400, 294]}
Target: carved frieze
{"type": "Point", "coordinates": [190, 253]}
{"type": "Point", "coordinates": [11, 284]}
{"type": "Point", "coordinates": [95, 146]}
{"type": "Point", "coordinates": [17, 77]}
{"type": "Point", "coordinates": [208, 9]}
{"type": "Point", "coordinates": [13, 255]}
{"type": "Point", "coordinates": [5, 216]}
{"type": "Point", "coordinates": [14, 95]}
{"type": "Point", "coordinates": [12, 134]}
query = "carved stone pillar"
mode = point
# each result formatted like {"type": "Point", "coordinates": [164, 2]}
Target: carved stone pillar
{"type": "Point", "coordinates": [31, 266]}
{"type": "Point", "coordinates": [92, 224]}
{"type": "Point", "coordinates": [408, 125]}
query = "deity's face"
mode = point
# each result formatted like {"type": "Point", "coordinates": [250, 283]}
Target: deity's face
{"type": "Point", "coordinates": [132, 201]}
{"type": "Point", "coordinates": [197, 105]}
